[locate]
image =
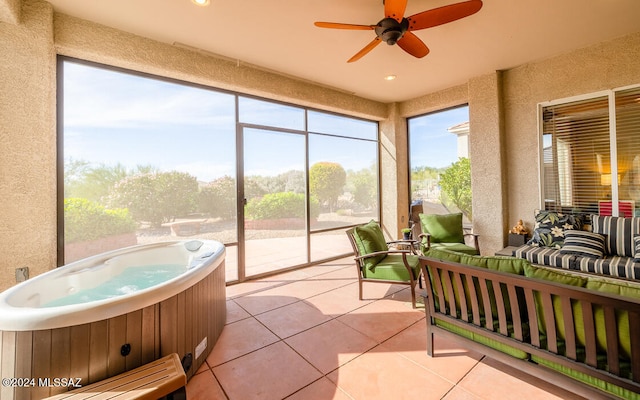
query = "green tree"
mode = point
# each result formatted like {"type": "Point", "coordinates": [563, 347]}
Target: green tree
{"type": "Point", "coordinates": [364, 187]}
{"type": "Point", "coordinates": [455, 182]}
{"type": "Point", "coordinates": [95, 183]}
{"type": "Point", "coordinates": [156, 197]}
{"type": "Point", "coordinates": [326, 182]}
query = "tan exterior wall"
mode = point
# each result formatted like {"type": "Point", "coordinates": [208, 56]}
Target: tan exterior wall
{"type": "Point", "coordinates": [487, 163]}
{"type": "Point", "coordinates": [27, 143]}
{"type": "Point", "coordinates": [604, 66]}
{"type": "Point", "coordinates": [394, 173]}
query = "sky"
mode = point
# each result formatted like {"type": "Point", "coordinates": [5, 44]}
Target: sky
{"type": "Point", "coordinates": [112, 117]}
{"type": "Point", "coordinates": [430, 144]}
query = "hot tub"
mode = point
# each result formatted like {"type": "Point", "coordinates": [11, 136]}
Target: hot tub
{"type": "Point", "coordinates": [101, 316]}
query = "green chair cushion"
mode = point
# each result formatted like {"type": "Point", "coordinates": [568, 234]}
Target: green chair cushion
{"type": "Point", "coordinates": [622, 288]}
{"type": "Point", "coordinates": [445, 228]}
{"type": "Point", "coordinates": [503, 264]}
{"type": "Point", "coordinates": [392, 268]}
{"type": "Point", "coordinates": [459, 247]}
{"type": "Point", "coordinates": [370, 239]}
{"type": "Point", "coordinates": [443, 254]}
{"type": "Point", "coordinates": [510, 265]}
{"type": "Point", "coordinates": [494, 344]}
{"type": "Point", "coordinates": [588, 379]}
{"type": "Point", "coordinates": [567, 278]}
{"type": "Point", "coordinates": [554, 275]}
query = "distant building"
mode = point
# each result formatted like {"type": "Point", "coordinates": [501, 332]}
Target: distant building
{"type": "Point", "coordinates": [462, 132]}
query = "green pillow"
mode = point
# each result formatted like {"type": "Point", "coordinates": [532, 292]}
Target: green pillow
{"type": "Point", "coordinates": [622, 288]}
{"type": "Point", "coordinates": [445, 228]}
{"type": "Point", "coordinates": [370, 239]}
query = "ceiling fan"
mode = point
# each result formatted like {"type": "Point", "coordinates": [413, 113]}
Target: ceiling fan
{"type": "Point", "coordinates": [395, 28]}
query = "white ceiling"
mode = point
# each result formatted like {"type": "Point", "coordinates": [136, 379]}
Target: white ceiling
{"type": "Point", "coordinates": [279, 35]}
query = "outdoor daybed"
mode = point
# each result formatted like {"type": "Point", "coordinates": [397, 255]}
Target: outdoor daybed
{"type": "Point", "coordinates": [576, 330]}
{"type": "Point", "coordinates": [607, 246]}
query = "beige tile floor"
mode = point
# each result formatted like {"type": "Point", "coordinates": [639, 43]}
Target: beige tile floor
{"type": "Point", "coordinates": [305, 335]}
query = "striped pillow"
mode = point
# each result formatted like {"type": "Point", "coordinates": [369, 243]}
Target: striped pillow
{"type": "Point", "coordinates": [583, 243]}
{"type": "Point", "coordinates": [619, 232]}
{"type": "Point", "coordinates": [636, 248]}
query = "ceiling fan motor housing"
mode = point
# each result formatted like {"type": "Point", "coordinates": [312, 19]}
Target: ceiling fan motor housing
{"type": "Point", "coordinates": [390, 31]}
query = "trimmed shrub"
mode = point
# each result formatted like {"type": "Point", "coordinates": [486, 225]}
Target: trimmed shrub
{"type": "Point", "coordinates": [280, 205]}
{"type": "Point", "coordinates": [88, 220]}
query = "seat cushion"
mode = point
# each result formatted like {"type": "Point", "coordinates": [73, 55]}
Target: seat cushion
{"type": "Point", "coordinates": [567, 278]}
{"type": "Point", "coordinates": [590, 380]}
{"type": "Point", "coordinates": [457, 247]}
{"type": "Point", "coordinates": [509, 265]}
{"type": "Point", "coordinates": [621, 288]}
{"type": "Point", "coordinates": [545, 256]}
{"type": "Point", "coordinates": [392, 268]}
{"type": "Point", "coordinates": [369, 239]}
{"type": "Point", "coordinates": [616, 266]}
{"type": "Point", "coordinates": [446, 228]}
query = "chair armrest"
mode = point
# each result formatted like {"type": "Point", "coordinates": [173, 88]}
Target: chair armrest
{"type": "Point", "coordinates": [422, 236]}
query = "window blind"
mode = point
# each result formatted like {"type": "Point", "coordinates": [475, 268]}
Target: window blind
{"type": "Point", "coordinates": [592, 164]}
{"type": "Point", "coordinates": [576, 155]}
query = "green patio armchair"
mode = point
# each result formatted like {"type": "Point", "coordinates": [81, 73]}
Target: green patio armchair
{"type": "Point", "coordinates": [377, 262]}
{"type": "Point", "coordinates": [445, 231]}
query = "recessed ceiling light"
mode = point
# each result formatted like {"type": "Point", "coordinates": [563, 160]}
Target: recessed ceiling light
{"type": "Point", "coordinates": [200, 2]}
{"type": "Point", "coordinates": [389, 77]}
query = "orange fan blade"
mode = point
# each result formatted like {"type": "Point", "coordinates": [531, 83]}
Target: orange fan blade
{"type": "Point", "coordinates": [337, 25]}
{"type": "Point", "coordinates": [365, 50]}
{"type": "Point", "coordinates": [443, 15]}
{"type": "Point", "coordinates": [395, 9]}
{"type": "Point", "coordinates": [413, 45]}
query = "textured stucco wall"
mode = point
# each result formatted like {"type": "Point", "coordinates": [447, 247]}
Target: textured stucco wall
{"type": "Point", "coordinates": [600, 67]}
{"type": "Point", "coordinates": [10, 11]}
{"type": "Point", "coordinates": [394, 173]}
{"type": "Point", "coordinates": [487, 165]}
{"type": "Point", "coordinates": [27, 144]}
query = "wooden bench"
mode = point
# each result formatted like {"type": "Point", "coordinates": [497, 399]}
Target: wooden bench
{"type": "Point", "coordinates": [148, 382]}
{"type": "Point", "coordinates": [547, 329]}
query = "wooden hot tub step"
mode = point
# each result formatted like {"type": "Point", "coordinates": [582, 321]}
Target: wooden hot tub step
{"type": "Point", "coordinates": [148, 382]}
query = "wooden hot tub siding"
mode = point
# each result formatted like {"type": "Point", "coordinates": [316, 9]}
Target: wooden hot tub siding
{"type": "Point", "coordinates": [92, 351]}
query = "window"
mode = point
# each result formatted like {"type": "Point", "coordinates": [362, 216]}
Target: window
{"type": "Point", "coordinates": [440, 169]}
{"type": "Point", "coordinates": [591, 153]}
{"type": "Point", "coordinates": [145, 159]}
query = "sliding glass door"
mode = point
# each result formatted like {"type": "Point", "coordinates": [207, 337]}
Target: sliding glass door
{"type": "Point", "coordinates": [274, 185]}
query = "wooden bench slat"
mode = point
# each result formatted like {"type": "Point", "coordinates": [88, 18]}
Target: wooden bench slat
{"type": "Point", "coordinates": [148, 382]}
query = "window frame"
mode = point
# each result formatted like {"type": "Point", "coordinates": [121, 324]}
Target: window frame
{"type": "Point", "coordinates": [60, 135]}
{"type": "Point", "coordinates": [610, 94]}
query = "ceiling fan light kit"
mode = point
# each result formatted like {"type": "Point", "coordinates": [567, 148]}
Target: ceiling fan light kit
{"type": "Point", "coordinates": [395, 28]}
